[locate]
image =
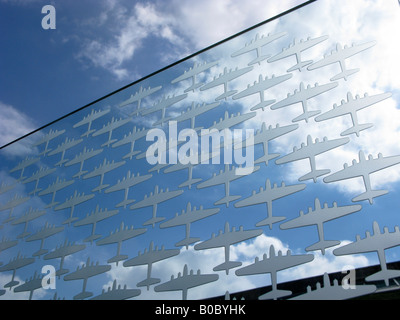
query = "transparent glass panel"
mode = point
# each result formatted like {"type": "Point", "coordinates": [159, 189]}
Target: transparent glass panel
{"type": "Point", "coordinates": [269, 161]}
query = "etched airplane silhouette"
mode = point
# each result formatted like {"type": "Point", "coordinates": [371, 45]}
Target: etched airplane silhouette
{"type": "Point", "coordinates": [85, 272]}
{"type": "Point", "coordinates": [134, 135]}
{"type": "Point", "coordinates": [117, 293]}
{"type": "Point", "coordinates": [378, 242]}
{"type": "Point", "coordinates": [226, 239]}
{"type": "Point", "coordinates": [268, 195]}
{"type": "Point", "coordinates": [80, 158]}
{"type": "Point", "coordinates": [224, 177]}
{"type": "Point", "coordinates": [11, 204]}
{"type": "Point", "coordinates": [265, 135]}
{"type": "Point", "coordinates": [45, 232]}
{"type": "Point", "coordinates": [317, 217]}
{"type": "Point", "coordinates": [59, 184]}
{"type": "Point", "coordinates": [88, 119]}
{"type": "Point", "coordinates": [302, 96]}
{"type": "Point", "coordinates": [272, 265]}
{"type": "Point", "coordinates": [363, 169]}
{"type": "Point", "coordinates": [335, 291]}
{"type": "Point", "coordinates": [47, 138]}
{"type": "Point", "coordinates": [295, 49]}
{"type": "Point", "coordinates": [62, 251]}
{"type": "Point", "coordinates": [93, 218]}
{"type": "Point", "coordinates": [62, 148]}
{"type": "Point", "coordinates": [118, 236]}
{"type": "Point", "coordinates": [339, 56]}
{"type": "Point", "coordinates": [229, 120]}
{"type": "Point", "coordinates": [72, 202]}
{"type": "Point", "coordinates": [36, 176]}
{"type": "Point", "coordinates": [257, 44]}
{"type": "Point", "coordinates": [259, 87]}
{"type": "Point", "coordinates": [310, 151]}
{"type": "Point", "coordinates": [192, 73]}
{"type": "Point", "coordinates": [351, 107]}
{"type": "Point", "coordinates": [101, 170]}
{"type": "Point", "coordinates": [183, 282]}
{"type": "Point", "coordinates": [129, 181]}
{"type": "Point", "coordinates": [186, 218]}
{"type": "Point", "coordinates": [109, 128]}
{"type": "Point", "coordinates": [223, 79]}
{"type": "Point", "coordinates": [30, 215]}
{"type": "Point", "coordinates": [30, 285]}
{"type": "Point", "coordinates": [162, 105]}
{"type": "Point", "coordinates": [15, 263]}
{"type": "Point", "coordinates": [152, 200]}
{"type": "Point", "coordinates": [138, 96]}
{"type": "Point", "coordinates": [149, 257]}
{"type": "Point", "coordinates": [194, 111]}
{"type": "Point", "coordinates": [22, 165]}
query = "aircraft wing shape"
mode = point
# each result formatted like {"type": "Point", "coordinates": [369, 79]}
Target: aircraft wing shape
{"type": "Point", "coordinates": [352, 105]}
{"type": "Point", "coordinates": [364, 167]}
{"type": "Point", "coordinates": [220, 178]}
{"type": "Point", "coordinates": [297, 47]}
{"type": "Point", "coordinates": [320, 215]}
{"type": "Point", "coordinates": [163, 103]}
{"type": "Point", "coordinates": [195, 111]}
{"type": "Point", "coordinates": [375, 242]}
{"type": "Point", "coordinates": [261, 85]}
{"type": "Point", "coordinates": [258, 42]}
{"type": "Point", "coordinates": [228, 238]}
{"type": "Point", "coordinates": [274, 263]}
{"type": "Point", "coordinates": [225, 77]}
{"type": "Point", "coordinates": [189, 216]}
{"type": "Point", "coordinates": [270, 194]}
{"type": "Point", "coordinates": [156, 198]}
{"type": "Point", "coordinates": [341, 54]}
{"type": "Point", "coordinates": [196, 69]}
{"type": "Point", "coordinates": [142, 93]}
{"type": "Point", "coordinates": [312, 149]}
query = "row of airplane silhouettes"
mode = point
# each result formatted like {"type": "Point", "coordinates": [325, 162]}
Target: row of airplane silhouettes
{"type": "Point", "coordinates": [375, 242]}
{"type": "Point", "coordinates": [310, 150]}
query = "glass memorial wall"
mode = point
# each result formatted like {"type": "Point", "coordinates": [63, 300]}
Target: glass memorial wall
{"type": "Point", "coordinates": [270, 157]}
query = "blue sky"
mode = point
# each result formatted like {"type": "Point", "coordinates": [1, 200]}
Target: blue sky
{"type": "Point", "coordinates": [99, 47]}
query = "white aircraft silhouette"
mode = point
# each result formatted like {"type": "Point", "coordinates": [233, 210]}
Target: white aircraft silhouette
{"type": "Point", "coordinates": [295, 49]}
{"type": "Point", "coordinates": [310, 151]}
{"type": "Point", "coordinates": [363, 169]}
{"type": "Point", "coordinates": [340, 55]}
{"type": "Point", "coordinates": [351, 107]}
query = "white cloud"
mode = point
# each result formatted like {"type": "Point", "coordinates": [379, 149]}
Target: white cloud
{"type": "Point", "coordinates": [15, 124]}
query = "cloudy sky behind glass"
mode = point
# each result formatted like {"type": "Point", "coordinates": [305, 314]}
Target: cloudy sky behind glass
{"type": "Point", "coordinates": [101, 46]}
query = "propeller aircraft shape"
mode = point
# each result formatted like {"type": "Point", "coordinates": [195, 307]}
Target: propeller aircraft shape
{"type": "Point", "coordinates": [378, 242]}
{"type": "Point", "coordinates": [296, 48]}
{"type": "Point", "coordinates": [272, 265]}
{"type": "Point", "coordinates": [363, 169]}
{"type": "Point", "coordinates": [339, 56]}
{"type": "Point", "coordinates": [351, 107]}
{"type": "Point", "coordinates": [317, 217]}
{"type": "Point", "coordinates": [301, 96]}
{"type": "Point", "coordinates": [310, 151]}
{"type": "Point", "coordinates": [226, 239]}
{"type": "Point", "coordinates": [267, 196]}
{"type": "Point", "coordinates": [257, 44]}
{"type": "Point", "coordinates": [259, 87]}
